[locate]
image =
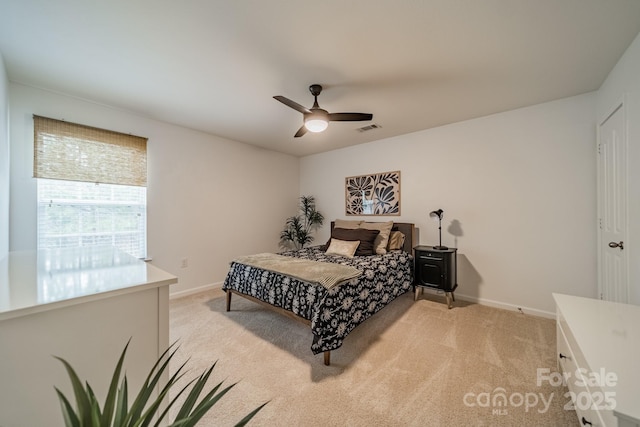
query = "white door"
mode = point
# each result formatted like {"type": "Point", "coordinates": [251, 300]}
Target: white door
{"type": "Point", "coordinates": [612, 207]}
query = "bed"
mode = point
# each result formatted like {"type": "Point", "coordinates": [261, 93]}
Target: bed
{"type": "Point", "coordinates": [331, 312]}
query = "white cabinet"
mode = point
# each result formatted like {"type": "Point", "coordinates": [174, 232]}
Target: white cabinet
{"type": "Point", "coordinates": [82, 306]}
{"type": "Point", "coordinates": [598, 344]}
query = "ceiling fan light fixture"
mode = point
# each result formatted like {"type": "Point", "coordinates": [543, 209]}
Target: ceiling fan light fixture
{"type": "Point", "coordinates": [316, 121]}
{"type": "Point", "coordinates": [316, 125]}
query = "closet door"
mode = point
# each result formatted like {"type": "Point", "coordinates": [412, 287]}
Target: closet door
{"type": "Point", "coordinates": [612, 207]}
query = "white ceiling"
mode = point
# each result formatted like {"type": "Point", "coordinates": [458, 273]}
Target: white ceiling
{"type": "Point", "coordinates": [214, 65]}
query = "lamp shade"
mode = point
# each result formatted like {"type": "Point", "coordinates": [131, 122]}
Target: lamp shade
{"type": "Point", "coordinates": [436, 214]}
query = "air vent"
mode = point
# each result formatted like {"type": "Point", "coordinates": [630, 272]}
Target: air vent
{"type": "Point", "coordinates": [369, 127]}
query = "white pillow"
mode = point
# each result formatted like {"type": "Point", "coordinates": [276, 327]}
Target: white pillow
{"type": "Point", "coordinates": [342, 247]}
{"type": "Point", "coordinates": [380, 244]}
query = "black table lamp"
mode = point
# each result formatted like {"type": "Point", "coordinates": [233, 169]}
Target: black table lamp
{"type": "Point", "coordinates": [434, 215]}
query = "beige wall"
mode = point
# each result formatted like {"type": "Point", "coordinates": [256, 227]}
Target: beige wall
{"type": "Point", "coordinates": [209, 199]}
{"type": "Point", "coordinates": [518, 190]}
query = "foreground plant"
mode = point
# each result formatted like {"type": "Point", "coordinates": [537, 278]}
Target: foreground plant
{"type": "Point", "coordinates": [144, 410]}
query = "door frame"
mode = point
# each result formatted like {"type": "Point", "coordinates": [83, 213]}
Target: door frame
{"type": "Point", "coordinates": [621, 104]}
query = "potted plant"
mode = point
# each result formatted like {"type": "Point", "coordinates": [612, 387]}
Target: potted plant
{"type": "Point", "coordinates": [298, 228]}
{"type": "Point", "coordinates": [145, 410]}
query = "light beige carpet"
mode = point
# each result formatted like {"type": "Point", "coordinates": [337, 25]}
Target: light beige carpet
{"type": "Point", "coordinates": [412, 364]}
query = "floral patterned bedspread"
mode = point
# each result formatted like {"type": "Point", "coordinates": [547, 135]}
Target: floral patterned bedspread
{"type": "Point", "coordinates": [336, 312]}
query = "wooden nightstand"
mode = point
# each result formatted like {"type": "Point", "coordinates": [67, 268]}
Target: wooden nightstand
{"type": "Point", "coordinates": [436, 269]}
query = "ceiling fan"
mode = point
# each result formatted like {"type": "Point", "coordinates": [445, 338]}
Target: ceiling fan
{"type": "Point", "coordinates": [315, 118]}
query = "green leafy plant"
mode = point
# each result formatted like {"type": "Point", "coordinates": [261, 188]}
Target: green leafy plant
{"type": "Point", "coordinates": [297, 230]}
{"type": "Point", "coordinates": [145, 409]}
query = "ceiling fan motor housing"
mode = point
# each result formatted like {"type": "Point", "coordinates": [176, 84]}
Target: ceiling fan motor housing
{"type": "Point", "coordinates": [315, 89]}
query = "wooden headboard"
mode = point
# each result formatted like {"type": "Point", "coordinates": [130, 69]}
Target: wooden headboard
{"type": "Point", "coordinates": [406, 228]}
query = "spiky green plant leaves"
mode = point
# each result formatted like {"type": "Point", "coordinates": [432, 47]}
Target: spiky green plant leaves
{"type": "Point", "coordinates": [145, 409]}
{"type": "Point", "coordinates": [298, 229]}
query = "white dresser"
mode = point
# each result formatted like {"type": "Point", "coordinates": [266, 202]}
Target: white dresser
{"type": "Point", "coordinates": [598, 350]}
{"type": "Point", "coordinates": [82, 305]}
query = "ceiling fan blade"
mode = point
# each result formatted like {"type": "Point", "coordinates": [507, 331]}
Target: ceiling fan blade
{"type": "Point", "coordinates": [292, 104]}
{"type": "Point", "coordinates": [349, 117]}
{"type": "Point", "coordinates": [300, 132]}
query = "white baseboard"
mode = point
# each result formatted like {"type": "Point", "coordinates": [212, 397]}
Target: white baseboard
{"type": "Point", "coordinates": [192, 291]}
{"type": "Point", "coordinates": [482, 301]}
{"type": "Point", "coordinates": [497, 304]}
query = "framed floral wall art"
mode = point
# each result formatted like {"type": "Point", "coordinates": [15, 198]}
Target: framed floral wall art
{"type": "Point", "coordinates": [377, 194]}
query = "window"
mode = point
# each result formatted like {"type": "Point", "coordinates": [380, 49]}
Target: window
{"type": "Point", "coordinates": [72, 213]}
{"type": "Point", "coordinates": [91, 187]}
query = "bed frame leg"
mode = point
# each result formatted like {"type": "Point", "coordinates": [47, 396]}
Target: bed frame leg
{"type": "Point", "coordinates": [228, 300]}
{"type": "Point", "coordinates": [327, 358]}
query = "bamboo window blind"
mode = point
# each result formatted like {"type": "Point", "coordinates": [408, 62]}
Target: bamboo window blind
{"type": "Point", "coordinates": [75, 152]}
